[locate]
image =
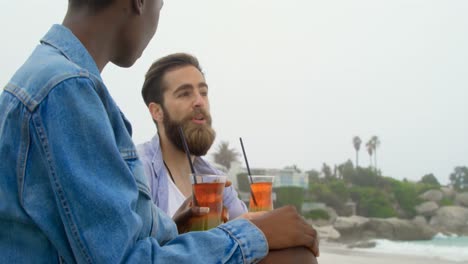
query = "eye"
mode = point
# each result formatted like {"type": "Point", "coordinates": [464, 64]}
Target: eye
{"type": "Point", "coordinates": [184, 94]}
{"type": "Point", "coordinates": [204, 92]}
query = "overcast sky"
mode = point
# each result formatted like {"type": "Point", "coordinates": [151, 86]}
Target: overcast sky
{"type": "Point", "coordinates": [298, 79]}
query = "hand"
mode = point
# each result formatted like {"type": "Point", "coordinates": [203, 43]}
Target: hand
{"type": "Point", "coordinates": [183, 216]}
{"type": "Point", "coordinates": [228, 183]}
{"type": "Point", "coordinates": [285, 228]}
{"type": "Point", "coordinates": [224, 214]}
{"type": "Point", "coordinates": [186, 212]}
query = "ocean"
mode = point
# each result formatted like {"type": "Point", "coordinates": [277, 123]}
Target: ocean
{"type": "Point", "coordinates": [453, 248]}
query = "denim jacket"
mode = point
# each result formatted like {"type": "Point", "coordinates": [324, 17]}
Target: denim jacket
{"type": "Point", "coordinates": [72, 189]}
{"type": "Point", "coordinates": [151, 156]}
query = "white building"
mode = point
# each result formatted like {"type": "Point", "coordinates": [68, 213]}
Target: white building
{"type": "Point", "coordinates": [283, 177]}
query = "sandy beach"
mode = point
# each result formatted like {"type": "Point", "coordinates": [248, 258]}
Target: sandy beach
{"type": "Point", "coordinates": [331, 253]}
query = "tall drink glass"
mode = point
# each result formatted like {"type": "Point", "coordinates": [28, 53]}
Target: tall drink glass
{"type": "Point", "coordinates": [208, 192]}
{"type": "Point", "coordinates": [261, 188]}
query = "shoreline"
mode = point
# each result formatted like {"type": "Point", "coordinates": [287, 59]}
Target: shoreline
{"type": "Point", "coordinates": [332, 253]}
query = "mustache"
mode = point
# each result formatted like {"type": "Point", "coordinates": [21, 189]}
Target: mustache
{"type": "Point", "coordinates": [206, 115]}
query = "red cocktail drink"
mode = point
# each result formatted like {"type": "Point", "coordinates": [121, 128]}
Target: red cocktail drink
{"type": "Point", "coordinates": [261, 189]}
{"type": "Point", "coordinates": [208, 192]}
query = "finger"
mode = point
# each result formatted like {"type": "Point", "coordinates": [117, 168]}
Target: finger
{"type": "Point", "coordinates": [316, 250]}
{"type": "Point", "coordinates": [199, 211]}
{"type": "Point", "coordinates": [225, 214]}
{"type": "Point", "coordinates": [187, 213]}
{"type": "Point", "coordinates": [228, 183]}
{"type": "Point", "coordinates": [309, 230]}
{"type": "Point", "coordinates": [313, 245]}
{"type": "Point", "coordinates": [252, 215]}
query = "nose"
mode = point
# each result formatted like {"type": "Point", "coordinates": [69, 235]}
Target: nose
{"type": "Point", "coordinates": [199, 101]}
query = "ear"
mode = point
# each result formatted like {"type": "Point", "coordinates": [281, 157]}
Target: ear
{"type": "Point", "coordinates": [138, 6]}
{"type": "Point", "coordinates": [156, 112]}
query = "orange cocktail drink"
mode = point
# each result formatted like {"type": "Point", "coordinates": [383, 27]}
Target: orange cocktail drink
{"type": "Point", "coordinates": [208, 192]}
{"type": "Point", "coordinates": [261, 194]}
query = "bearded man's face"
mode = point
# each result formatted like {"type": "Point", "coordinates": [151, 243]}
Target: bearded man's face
{"type": "Point", "coordinates": [199, 137]}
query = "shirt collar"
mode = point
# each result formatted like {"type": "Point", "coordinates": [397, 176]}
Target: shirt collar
{"type": "Point", "coordinates": [157, 159]}
{"type": "Point", "coordinates": [71, 47]}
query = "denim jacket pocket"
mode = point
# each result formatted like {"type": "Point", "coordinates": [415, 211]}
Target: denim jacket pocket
{"type": "Point", "coordinates": [144, 205]}
{"type": "Point", "coordinates": [136, 168]}
{"type": "Point", "coordinates": [142, 185]}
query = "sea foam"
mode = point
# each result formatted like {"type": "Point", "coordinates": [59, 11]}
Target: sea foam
{"type": "Point", "coordinates": [441, 247]}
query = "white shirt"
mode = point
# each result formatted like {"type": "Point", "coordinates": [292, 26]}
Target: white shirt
{"type": "Point", "coordinates": [176, 198]}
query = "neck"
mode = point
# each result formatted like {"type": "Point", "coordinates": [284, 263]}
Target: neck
{"type": "Point", "coordinates": [175, 159]}
{"type": "Point", "coordinates": [95, 33]}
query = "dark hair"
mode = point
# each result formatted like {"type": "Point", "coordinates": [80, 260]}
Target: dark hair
{"type": "Point", "coordinates": [93, 5]}
{"type": "Point", "coordinates": [153, 88]}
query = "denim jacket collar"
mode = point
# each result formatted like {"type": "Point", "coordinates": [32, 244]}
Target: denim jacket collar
{"type": "Point", "coordinates": [71, 47]}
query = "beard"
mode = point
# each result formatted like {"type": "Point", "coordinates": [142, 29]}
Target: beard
{"type": "Point", "coordinates": [199, 137]}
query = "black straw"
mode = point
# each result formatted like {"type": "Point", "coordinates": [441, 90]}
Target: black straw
{"type": "Point", "coordinates": [187, 151]}
{"type": "Point", "coordinates": [248, 170]}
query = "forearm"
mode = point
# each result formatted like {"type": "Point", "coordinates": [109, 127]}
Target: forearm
{"type": "Point", "coordinates": [235, 206]}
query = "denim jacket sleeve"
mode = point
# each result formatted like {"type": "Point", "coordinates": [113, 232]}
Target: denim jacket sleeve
{"type": "Point", "coordinates": [102, 195]}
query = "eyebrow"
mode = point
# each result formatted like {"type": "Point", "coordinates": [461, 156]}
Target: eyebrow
{"type": "Point", "coordinates": [189, 87]}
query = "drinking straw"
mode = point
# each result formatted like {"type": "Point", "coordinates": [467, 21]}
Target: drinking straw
{"type": "Point", "coordinates": [187, 151]}
{"type": "Point", "coordinates": [248, 170]}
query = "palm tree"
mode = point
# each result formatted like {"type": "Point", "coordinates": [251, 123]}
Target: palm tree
{"type": "Point", "coordinates": [225, 155]}
{"type": "Point", "coordinates": [357, 145]}
{"type": "Point", "coordinates": [375, 144]}
{"type": "Point", "coordinates": [370, 150]}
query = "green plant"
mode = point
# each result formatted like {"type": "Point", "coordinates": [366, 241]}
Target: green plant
{"type": "Point", "coordinates": [243, 183]}
{"type": "Point", "coordinates": [446, 202]}
{"type": "Point", "coordinates": [430, 179]}
{"type": "Point", "coordinates": [372, 202]}
{"type": "Point", "coordinates": [289, 195]}
{"type": "Point", "coordinates": [317, 214]}
{"type": "Point", "coordinates": [406, 195]}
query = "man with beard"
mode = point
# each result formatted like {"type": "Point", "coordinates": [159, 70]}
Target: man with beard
{"type": "Point", "coordinates": [176, 94]}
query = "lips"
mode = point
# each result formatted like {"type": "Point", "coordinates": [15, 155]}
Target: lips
{"type": "Point", "coordinates": [198, 119]}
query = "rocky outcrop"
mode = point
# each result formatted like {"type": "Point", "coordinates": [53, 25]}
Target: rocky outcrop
{"type": "Point", "coordinates": [432, 195]}
{"type": "Point", "coordinates": [327, 232]}
{"type": "Point", "coordinates": [448, 192]}
{"type": "Point", "coordinates": [350, 228]}
{"type": "Point", "coordinates": [420, 220]}
{"type": "Point", "coordinates": [361, 228]}
{"type": "Point", "coordinates": [398, 229]}
{"type": "Point", "coordinates": [427, 208]}
{"type": "Point", "coordinates": [432, 218]}
{"type": "Point", "coordinates": [461, 199]}
{"type": "Point", "coordinates": [451, 219]}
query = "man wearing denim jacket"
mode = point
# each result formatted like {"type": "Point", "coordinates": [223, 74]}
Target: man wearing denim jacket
{"type": "Point", "coordinates": [72, 189]}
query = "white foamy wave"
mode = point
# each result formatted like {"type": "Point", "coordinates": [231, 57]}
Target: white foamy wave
{"type": "Point", "coordinates": [442, 236]}
{"type": "Point", "coordinates": [441, 247]}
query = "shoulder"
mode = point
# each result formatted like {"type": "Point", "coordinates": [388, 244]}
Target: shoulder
{"type": "Point", "coordinates": [149, 149]}
{"type": "Point", "coordinates": [144, 150]}
{"type": "Point", "coordinates": [205, 167]}
{"type": "Point", "coordinates": [45, 70]}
